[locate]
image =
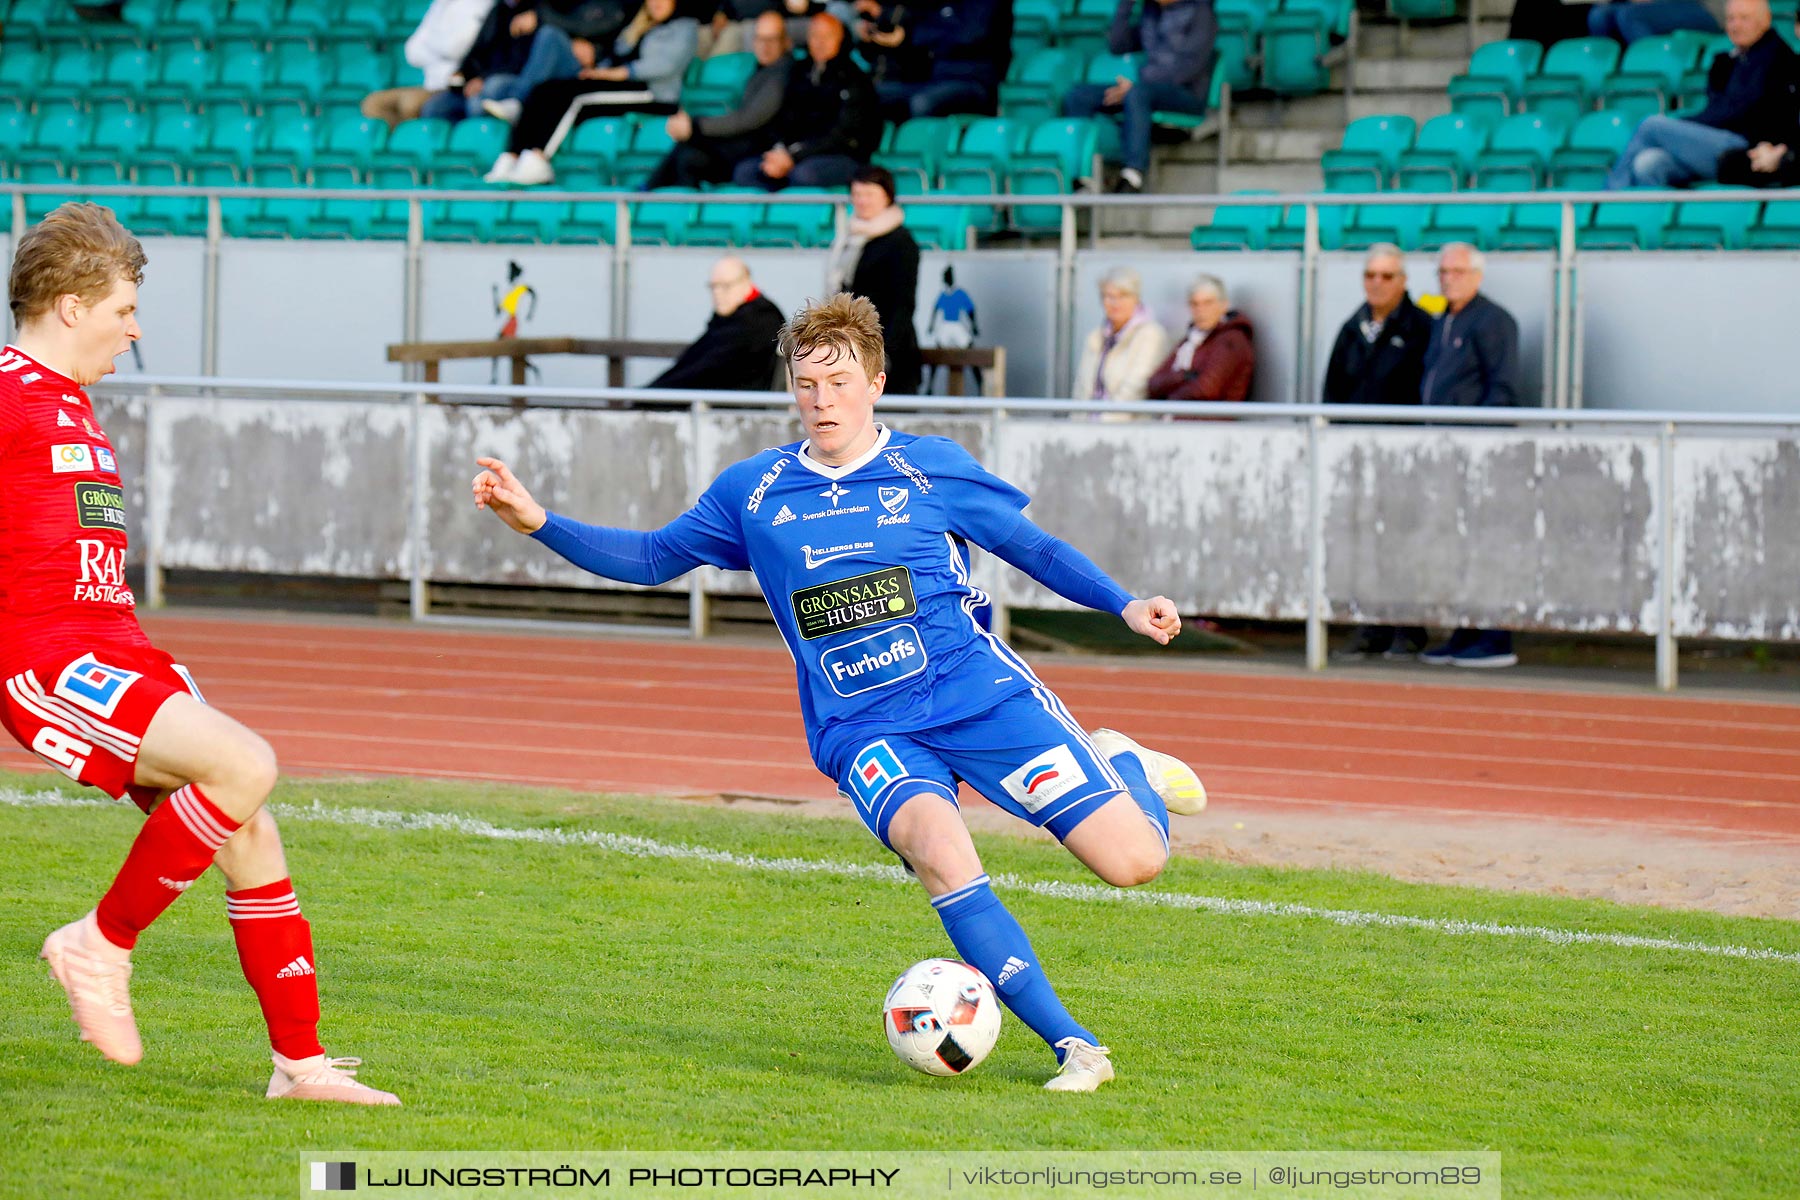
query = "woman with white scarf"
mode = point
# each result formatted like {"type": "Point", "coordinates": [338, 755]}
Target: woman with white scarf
{"type": "Point", "coordinates": [1119, 356]}
{"type": "Point", "coordinates": [879, 261]}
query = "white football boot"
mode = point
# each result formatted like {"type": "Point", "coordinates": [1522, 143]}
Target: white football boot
{"type": "Point", "coordinates": [97, 976]}
{"type": "Point", "coordinates": [1084, 1067]}
{"type": "Point", "coordinates": [1173, 780]}
{"type": "Point", "coordinates": [321, 1078]}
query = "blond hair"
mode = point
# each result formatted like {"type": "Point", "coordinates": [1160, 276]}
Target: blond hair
{"type": "Point", "coordinates": [79, 250]}
{"type": "Point", "coordinates": [843, 324]}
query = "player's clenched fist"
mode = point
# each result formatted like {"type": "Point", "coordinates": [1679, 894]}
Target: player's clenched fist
{"type": "Point", "coordinates": [497, 488]}
{"type": "Point", "coordinates": [1155, 618]}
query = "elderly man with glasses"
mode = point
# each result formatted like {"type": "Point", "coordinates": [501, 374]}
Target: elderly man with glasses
{"type": "Point", "coordinates": [737, 351]}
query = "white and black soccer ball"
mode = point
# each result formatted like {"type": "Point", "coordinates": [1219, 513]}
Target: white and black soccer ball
{"type": "Point", "coordinates": [942, 1017]}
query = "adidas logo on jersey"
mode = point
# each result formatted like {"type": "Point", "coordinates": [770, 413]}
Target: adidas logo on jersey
{"type": "Point", "coordinates": [1014, 966]}
{"type": "Point", "coordinates": [784, 516]}
{"type": "Point", "coordinates": [175, 885]}
{"type": "Point", "coordinates": [296, 968]}
{"type": "Point", "coordinates": [62, 419]}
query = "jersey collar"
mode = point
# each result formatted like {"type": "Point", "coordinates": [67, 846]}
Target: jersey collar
{"type": "Point", "coordinates": [862, 460]}
{"type": "Point", "coordinates": [50, 373]}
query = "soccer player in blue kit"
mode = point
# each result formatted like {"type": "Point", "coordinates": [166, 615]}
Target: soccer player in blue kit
{"type": "Point", "coordinates": [858, 537]}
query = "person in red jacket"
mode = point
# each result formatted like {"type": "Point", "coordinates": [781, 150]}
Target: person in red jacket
{"type": "Point", "coordinates": [1217, 358]}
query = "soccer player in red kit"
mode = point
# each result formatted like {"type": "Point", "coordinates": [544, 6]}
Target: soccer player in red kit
{"type": "Point", "coordinates": [87, 692]}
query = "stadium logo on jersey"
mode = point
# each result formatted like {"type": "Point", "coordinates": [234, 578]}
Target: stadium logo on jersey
{"type": "Point", "coordinates": [103, 458]}
{"type": "Point", "coordinates": [899, 462]}
{"type": "Point", "coordinates": [818, 558]}
{"type": "Point", "coordinates": [847, 604]}
{"type": "Point", "coordinates": [1045, 778]}
{"type": "Point", "coordinates": [100, 506]}
{"type": "Point", "coordinates": [72, 457]}
{"type": "Point", "coordinates": [874, 768]}
{"type": "Point", "coordinates": [892, 498]}
{"type": "Point", "coordinates": [784, 516]}
{"type": "Point", "coordinates": [762, 485]}
{"type": "Point", "coordinates": [835, 492]}
{"type": "Point", "coordinates": [874, 661]}
{"type": "Point", "coordinates": [62, 418]}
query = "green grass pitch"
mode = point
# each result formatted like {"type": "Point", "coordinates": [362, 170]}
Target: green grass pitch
{"type": "Point", "coordinates": [522, 995]}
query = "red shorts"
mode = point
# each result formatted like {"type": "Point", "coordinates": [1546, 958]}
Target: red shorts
{"type": "Point", "coordinates": [85, 711]}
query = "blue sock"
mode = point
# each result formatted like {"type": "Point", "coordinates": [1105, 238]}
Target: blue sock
{"type": "Point", "coordinates": [1131, 770]}
{"type": "Point", "coordinates": [991, 941]}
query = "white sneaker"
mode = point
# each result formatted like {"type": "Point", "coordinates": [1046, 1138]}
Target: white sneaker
{"type": "Point", "coordinates": [533, 169]}
{"type": "Point", "coordinates": [1173, 779]}
{"type": "Point", "coordinates": [505, 110]}
{"type": "Point", "coordinates": [1084, 1067]}
{"type": "Point", "coordinates": [321, 1078]}
{"type": "Point", "coordinates": [503, 168]}
{"type": "Point", "coordinates": [97, 975]}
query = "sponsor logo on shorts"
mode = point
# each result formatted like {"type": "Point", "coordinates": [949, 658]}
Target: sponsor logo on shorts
{"type": "Point", "coordinates": [100, 505]}
{"type": "Point", "coordinates": [846, 604]}
{"type": "Point", "coordinates": [1047, 777]}
{"type": "Point", "coordinates": [762, 485]}
{"type": "Point", "coordinates": [873, 769]}
{"type": "Point", "coordinates": [103, 458]}
{"type": "Point", "coordinates": [818, 558]}
{"type": "Point", "coordinates": [900, 463]}
{"type": "Point", "coordinates": [784, 516]}
{"type": "Point", "coordinates": [95, 686]}
{"type": "Point", "coordinates": [71, 457]}
{"type": "Point", "coordinates": [874, 661]}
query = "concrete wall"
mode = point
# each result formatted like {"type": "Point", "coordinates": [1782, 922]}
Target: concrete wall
{"type": "Point", "coordinates": [1737, 539]}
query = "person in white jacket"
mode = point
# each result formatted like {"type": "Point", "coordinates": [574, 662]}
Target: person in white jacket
{"type": "Point", "coordinates": [1120, 355]}
{"type": "Point", "coordinates": [437, 48]}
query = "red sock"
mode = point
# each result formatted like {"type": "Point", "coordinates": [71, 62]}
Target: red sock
{"type": "Point", "coordinates": [173, 849]}
{"type": "Point", "coordinates": [274, 944]}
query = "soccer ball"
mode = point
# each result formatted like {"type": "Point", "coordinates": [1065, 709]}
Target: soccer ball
{"type": "Point", "coordinates": [941, 1016]}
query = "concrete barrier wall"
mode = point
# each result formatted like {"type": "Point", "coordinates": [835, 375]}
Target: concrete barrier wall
{"type": "Point", "coordinates": [1523, 529]}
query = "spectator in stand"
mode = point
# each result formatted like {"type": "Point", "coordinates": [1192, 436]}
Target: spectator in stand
{"type": "Point", "coordinates": [1177, 40]}
{"type": "Point", "coordinates": [498, 52]}
{"type": "Point", "coordinates": [1118, 357]}
{"type": "Point", "coordinates": [828, 124]}
{"type": "Point", "coordinates": [1216, 360]}
{"type": "Point", "coordinates": [1748, 101]}
{"type": "Point", "coordinates": [522, 45]}
{"type": "Point", "coordinates": [1379, 358]}
{"type": "Point", "coordinates": [1772, 161]}
{"type": "Point", "coordinates": [879, 261]}
{"type": "Point", "coordinates": [437, 47]}
{"type": "Point", "coordinates": [737, 351]}
{"type": "Point", "coordinates": [643, 74]}
{"type": "Point", "coordinates": [947, 58]}
{"type": "Point", "coordinates": [1472, 361]}
{"type": "Point", "coordinates": [707, 148]}
{"type": "Point", "coordinates": [1628, 21]}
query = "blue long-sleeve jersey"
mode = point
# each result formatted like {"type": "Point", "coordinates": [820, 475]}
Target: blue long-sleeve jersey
{"type": "Point", "coordinates": [866, 570]}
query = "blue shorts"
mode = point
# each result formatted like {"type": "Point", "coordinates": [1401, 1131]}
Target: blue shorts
{"type": "Point", "coordinates": [1026, 754]}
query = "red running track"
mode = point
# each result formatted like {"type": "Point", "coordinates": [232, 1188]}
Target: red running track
{"type": "Point", "coordinates": [680, 717]}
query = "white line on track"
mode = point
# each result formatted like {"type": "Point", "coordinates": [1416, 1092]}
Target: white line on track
{"type": "Point", "coordinates": [642, 847]}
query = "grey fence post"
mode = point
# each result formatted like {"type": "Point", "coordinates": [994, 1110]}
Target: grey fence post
{"type": "Point", "coordinates": [621, 272]}
{"type": "Point", "coordinates": [699, 603]}
{"type": "Point", "coordinates": [1667, 663]}
{"type": "Point", "coordinates": [1309, 287]}
{"type": "Point", "coordinates": [1563, 336]}
{"type": "Point", "coordinates": [1065, 303]}
{"type": "Point", "coordinates": [418, 531]}
{"type": "Point", "coordinates": [1001, 623]}
{"type": "Point", "coordinates": [209, 300]}
{"type": "Point", "coordinates": [1316, 631]}
{"type": "Point", "coordinates": [154, 530]}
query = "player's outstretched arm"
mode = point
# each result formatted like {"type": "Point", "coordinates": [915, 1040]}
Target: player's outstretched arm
{"type": "Point", "coordinates": [1154, 617]}
{"type": "Point", "coordinates": [498, 489]}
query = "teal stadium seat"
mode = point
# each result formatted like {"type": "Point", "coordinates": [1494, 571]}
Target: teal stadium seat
{"type": "Point", "coordinates": [1478, 224]}
{"type": "Point", "coordinates": [1721, 226]}
{"type": "Point", "coordinates": [1779, 226]}
{"type": "Point", "coordinates": [175, 139]}
{"type": "Point", "coordinates": [240, 67]}
{"type": "Point", "coordinates": [1421, 10]}
{"type": "Point", "coordinates": [1336, 14]}
{"type": "Point", "coordinates": [70, 75]}
{"type": "Point", "coordinates": [1295, 43]}
{"type": "Point", "coordinates": [194, 21]}
{"type": "Point", "coordinates": [599, 142]}
{"type": "Point", "coordinates": [587, 221]}
{"type": "Point", "coordinates": [535, 221]}
{"type": "Point", "coordinates": [60, 125]}
{"type": "Point", "coordinates": [281, 216]}
{"type": "Point", "coordinates": [351, 140]}
{"type": "Point", "coordinates": [1036, 22]}
{"type": "Point", "coordinates": [116, 135]}
{"type": "Point", "coordinates": [1444, 154]}
{"type": "Point", "coordinates": [339, 218]}
{"type": "Point", "coordinates": [146, 19]}
{"type": "Point", "coordinates": [387, 219]}
{"type": "Point", "coordinates": [1056, 154]}
{"type": "Point", "coordinates": [733, 224]}
{"type": "Point", "coordinates": [234, 211]}
{"type": "Point", "coordinates": [22, 68]}
{"type": "Point", "coordinates": [987, 146]}
{"type": "Point", "coordinates": [1649, 76]}
{"type": "Point", "coordinates": [1107, 69]}
{"type": "Point", "coordinates": [1594, 145]}
{"type": "Point", "coordinates": [1572, 77]}
{"type": "Point", "coordinates": [364, 20]}
{"type": "Point", "coordinates": [940, 226]}
{"type": "Point", "coordinates": [251, 20]}
{"type": "Point", "coordinates": [106, 173]}
{"type": "Point", "coordinates": [1539, 226]}
{"type": "Point", "coordinates": [720, 84]}
{"type": "Point", "coordinates": [297, 74]}
{"type": "Point", "coordinates": [474, 143]}
{"type": "Point", "coordinates": [1495, 79]}
{"type": "Point", "coordinates": [1248, 16]}
{"type": "Point", "coordinates": [1402, 224]}
{"type": "Point", "coordinates": [1239, 227]}
{"type": "Point", "coordinates": [231, 139]}
{"type": "Point", "coordinates": [650, 144]}
{"type": "Point", "coordinates": [1369, 155]}
{"type": "Point", "coordinates": [353, 70]}
{"type": "Point", "coordinates": [1519, 153]}
{"type": "Point", "coordinates": [416, 144]}
{"type": "Point", "coordinates": [182, 70]}
{"type": "Point", "coordinates": [400, 72]}
{"type": "Point", "coordinates": [167, 216]}
{"type": "Point", "coordinates": [313, 20]}
{"type": "Point", "coordinates": [665, 221]}
{"type": "Point", "coordinates": [289, 139]}
{"type": "Point", "coordinates": [42, 171]}
{"type": "Point", "coordinates": [919, 148]}
{"type": "Point", "coordinates": [1034, 86]}
{"type": "Point", "coordinates": [464, 220]}
{"type": "Point", "coordinates": [1086, 18]}
{"type": "Point", "coordinates": [1627, 225]}
{"type": "Point", "coordinates": [803, 225]}
{"type": "Point", "coordinates": [126, 73]}
{"type": "Point", "coordinates": [15, 134]}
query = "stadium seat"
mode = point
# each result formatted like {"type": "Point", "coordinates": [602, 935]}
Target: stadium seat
{"type": "Point", "coordinates": [1296, 41]}
{"type": "Point", "coordinates": [1594, 145]}
{"type": "Point", "coordinates": [22, 69]}
{"type": "Point", "coordinates": [42, 171]}
{"type": "Point", "coordinates": [231, 139]}
{"type": "Point", "coordinates": [59, 126]}
{"type": "Point", "coordinates": [1033, 88]}
{"type": "Point", "coordinates": [940, 226]}
{"type": "Point", "coordinates": [587, 221]}
{"type": "Point", "coordinates": [1036, 22]}
{"type": "Point", "coordinates": [1778, 228]}
{"type": "Point", "coordinates": [534, 221]}
{"type": "Point", "coordinates": [719, 85]}
{"type": "Point", "coordinates": [354, 70]}
{"type": "Point", "coordinates": [464, 220]}
{"type": "Point", "coordinates": [1336, 14]}
{"type": "Point", "coordinates": [665, 221]}
{"type": "Point", "coordinates": [92, 172]}
{"type": "Point", "coordinates": [650, 143]}
{"type": "Point", "coordinates": [146, 19]}
{"type": "Point", "coordinates": [281, 216]}
{"type": "Point", "coordinates": [339, 218]}
{"type": "Point", "coordinates": [1248, 16]}
{"type": "Point", "coordinates": [297, 73]}
{"type": "Point", "coordinates": [1238, 227]}
{"type": "Point", "coordinates": [801, 225]}
{"type": "Point", "coordinates": [70, 74]}
{"type": "Point", "coordinates": [313, 19]}
{"type": "Point", "coordinates": [400, 72]}
{"type": "Point", "coordinates": [1443, 155]}
{"type": "Point", "coordinates": [1572, 77]}
{"type": "Point", "coordinates": [1477, 224]}
{"type": "Point", "coordinates": [364, 20]}
{"type": "Point", "coordinates": [388, 219]}
{"type": "Point", "coordinates": [416, 144]}
{"type": "Point", "coordinates": [599, 142]}
{"type": "Point", "coordinates": [1721, 226]}
{"type": "Point", "coordinates": [474, 143]}
{"type": "Point", "coordinates": [126, 72]}
{"type": "Point", "coordinates": [116, 134]}
{"type": "Point", "coordinates": [182, 70]}
{"type": "Point", "coordinates": [919, 148]}
{"type": "Point", "coordinates": [174, 139]}
{"type": "Point", "coordinates": [288, 140]}
{"type": "Point", "coordinates": [168, 216]}
{"type": "Point", "coordinates": [352, 140]}
{"type": "Point", "coordinates": [1402, 224]}
{"type": "Point", "coordinates": [1422, 10]}
{"type": "Point", "coordinates": [1627, 225]}
{"type": "Point", "coordinates": [1495, 79]}
{"type": "Point", "coordinates": [1369, 155]}
{"type": "Point", "coordinates": [240, 67]}
{"type": "Point", "coordinates": [1236, 48]}
{"type": "Point", "coordinates": [987, 145]}
{"type": "Point", "coordinates": [1108, 69]}
{"type": "Point", "coordinates": [1056, 154]}
{"type": "Point", "coordinates": [1086, 18]}
{"type": "Point", "coordinates": [1519, 153]}
{"type": "Point", "coordinates": [1649, 76]}
{"type": "Point", "coordinates": [1539, 226]}
{"type": "Point", "coordinates": [15, 134]}
{"type": "Point", "coordinates": [733, 224]}
{"type": "Point", "coordinates": [193, 21]}
{"type": "Point", "coordinates": [251, 20]}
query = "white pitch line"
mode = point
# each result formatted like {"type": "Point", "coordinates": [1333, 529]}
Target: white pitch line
{"type": "Point", "coordinates": [642, 847]}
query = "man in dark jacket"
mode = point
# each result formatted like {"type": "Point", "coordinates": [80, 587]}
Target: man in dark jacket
{"type": "Point", "coordinates": [707, 148]}
{"type": "Point", "coordinates": [500, 50]}
{"type": "Point", "coordinates": [1748, 101]}
{"type": "Point", "coordinates": [943, 57]}
{"type": "Point", "coordinates": [737, 351]}
{"type": "Point", "coordinates": [1379, 358]}
{"type": "Point", "coordinates": [828, 125]}
{"type": "Point", "coordinates": [1472, 361]}
{"type": "Point", "coordinates": [1773, 160]}
{"type": "Point", "coordinates": [1178, 39]}
{"type": "Point", "coordinates": [1217, 358]}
